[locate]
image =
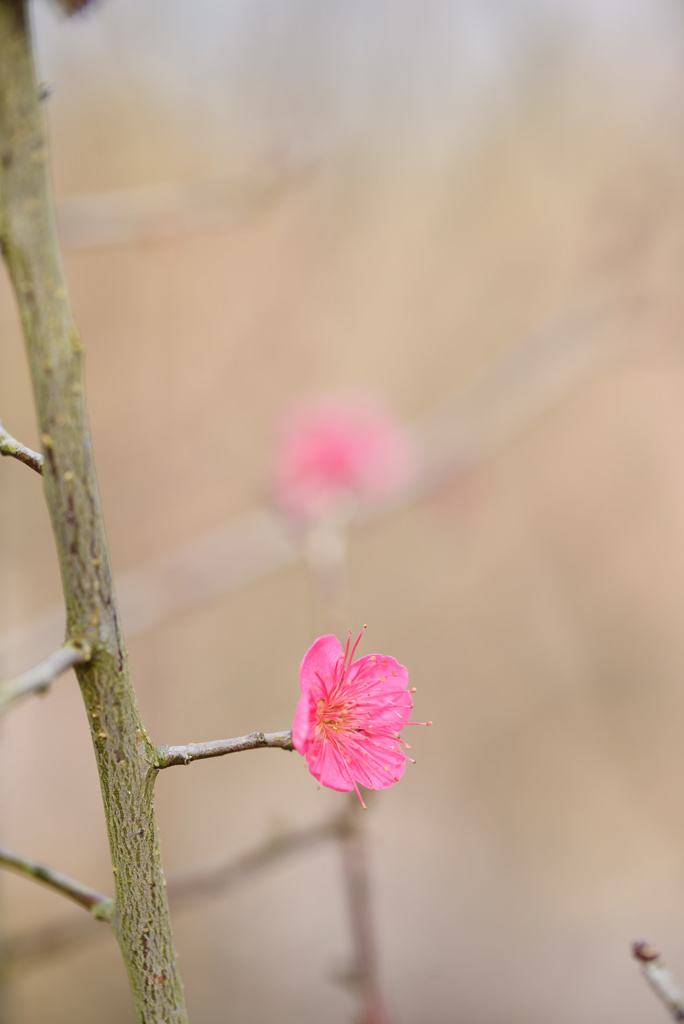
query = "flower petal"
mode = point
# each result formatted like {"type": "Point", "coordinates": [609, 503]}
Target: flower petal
{"type": "Point", "coordinates": [304, 723]}
{"type": "Point", "coordinates": [378, 762]}
{"type": "Point", "coordinates": [347, 722]}
{"type": "Point", "coordinates": [319, 662]}
{"type": "Point", "coordinates": [333, 449]}
{"type": "Point", "coordinates": [327, 763]}
{"type": "Point", "coordinates": [385, 682]}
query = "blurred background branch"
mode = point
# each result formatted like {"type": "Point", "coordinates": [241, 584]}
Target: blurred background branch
{"type": "Point", "coordinates": [31, 947]}
{"type": "Point", "coordinates": [460, 433]}
{"type": "Point", "coordinates": [176, 209]}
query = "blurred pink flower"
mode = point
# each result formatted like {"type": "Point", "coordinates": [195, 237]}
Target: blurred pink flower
{"type": "Point", "coordinates": [349, 716]}
{"type": "Point", "coordinates": [334, 450]}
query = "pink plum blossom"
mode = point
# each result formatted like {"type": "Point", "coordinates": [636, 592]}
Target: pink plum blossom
{"type": "Point", "coordinates": [332, 451]}
{"type": "Point", "coordinates": [349, 716]}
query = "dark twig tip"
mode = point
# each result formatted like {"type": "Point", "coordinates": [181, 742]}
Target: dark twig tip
{"type": "Point", "coordinates": [644, 951]}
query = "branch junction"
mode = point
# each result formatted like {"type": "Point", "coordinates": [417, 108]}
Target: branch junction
{"type": "Point", "coordinates": [10, 446]}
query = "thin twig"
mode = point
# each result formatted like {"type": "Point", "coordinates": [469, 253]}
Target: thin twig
{"type": "Point", "coordinates": [168, 756]}
{"type": "Point", "coordinates": [10, 446]}
{"type": "Point", "coordinates": [101, 907]}
{"type": "Point", "coordinates": [183, 889]}
{"type": "Point", "coordinates": [659, 978]}
{"type": "Point", "coordinates": [39, 678]}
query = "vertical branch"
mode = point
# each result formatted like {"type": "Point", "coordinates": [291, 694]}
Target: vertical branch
{"type": "Point", "coordinates": [123, 751]}
{"type": "Point", "coordinates": [326, 558]}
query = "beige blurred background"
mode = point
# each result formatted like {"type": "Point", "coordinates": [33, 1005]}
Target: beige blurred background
{"type": "Point", "coordinates": [474, 210]}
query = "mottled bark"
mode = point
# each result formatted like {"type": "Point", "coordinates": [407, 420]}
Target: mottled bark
{"type": "Point", "coordinates": [124, 753]}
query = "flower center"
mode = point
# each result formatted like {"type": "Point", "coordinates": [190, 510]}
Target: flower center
{"type": "Point", "coordinates": [331, 716]}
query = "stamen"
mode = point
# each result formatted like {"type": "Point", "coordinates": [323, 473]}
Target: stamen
{"type": "Point", "coordinates": [365, 627]}
{"type": "Point", "coordinates": [323, 684]}
{"type": "Point", "coordinates": [346, 652]}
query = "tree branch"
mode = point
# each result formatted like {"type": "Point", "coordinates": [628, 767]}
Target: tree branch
{"type": "Point", "coordinates": [39, 678]}
{"type": "Point", "coordinates": [123, 751]}
{"type": "Point", "coordinates": [101, 907]}
{"type": "Point", "coordinates": [184, 889]}
{"type": "Point", "coordinates": [10, 446]}
{"type": "Point", "coordinates": [166, 757]}
{"type": "Point", "coordinates": [659, 978]}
